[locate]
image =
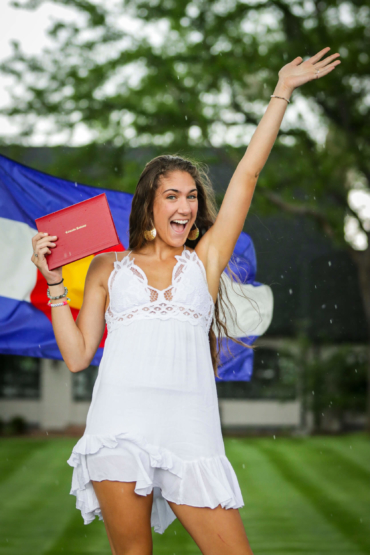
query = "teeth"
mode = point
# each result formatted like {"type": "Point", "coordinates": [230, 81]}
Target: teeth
{"type": "Point", "coordinates": [180, 221]}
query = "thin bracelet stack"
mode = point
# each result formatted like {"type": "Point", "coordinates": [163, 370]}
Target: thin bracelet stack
{"type": "Point", "coordinates": [64, 296]}
{"type": "Point", "coordinates": [275, 96]}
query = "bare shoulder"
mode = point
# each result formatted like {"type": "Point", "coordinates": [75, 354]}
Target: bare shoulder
{"type": "Point", "coordinates": [100, 268]}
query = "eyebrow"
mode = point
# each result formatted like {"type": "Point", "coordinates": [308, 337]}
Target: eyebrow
{"type": "Point", "coordinates": [177, 191]}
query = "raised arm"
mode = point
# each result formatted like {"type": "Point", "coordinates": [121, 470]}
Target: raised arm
{"type": "Point", "coordinates": [221, 238]}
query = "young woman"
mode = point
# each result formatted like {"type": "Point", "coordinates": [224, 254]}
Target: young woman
{"type": "Point", "coordinates": [152, 448]}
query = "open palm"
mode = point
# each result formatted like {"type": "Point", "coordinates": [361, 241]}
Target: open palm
{"type": "Point", "coordinates": [297, 73]}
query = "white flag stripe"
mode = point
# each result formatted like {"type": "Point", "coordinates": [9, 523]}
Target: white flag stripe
{"type": "Point", "coordinates": [17, 273]}
{"type": "Point", "coordinates": [253, 316]}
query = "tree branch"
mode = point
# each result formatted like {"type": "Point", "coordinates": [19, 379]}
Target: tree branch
{"type": "Point", "coordinates": [299, 210]}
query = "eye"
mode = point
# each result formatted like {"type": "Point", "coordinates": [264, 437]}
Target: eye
{"type": "Point", "coordinates": [171, 196]}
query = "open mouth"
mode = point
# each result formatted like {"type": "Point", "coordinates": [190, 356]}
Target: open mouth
{"type": "Point", "coordinates": [177, 226]}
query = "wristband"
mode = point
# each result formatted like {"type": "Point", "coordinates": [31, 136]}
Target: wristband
{"type": "Point", "coordinates": [59, 282]}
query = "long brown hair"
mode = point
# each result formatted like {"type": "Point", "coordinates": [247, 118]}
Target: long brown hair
{"type": "Point", "coordinates": [141, 219]}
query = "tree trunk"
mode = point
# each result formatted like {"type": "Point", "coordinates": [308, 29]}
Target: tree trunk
{"type": "Point", "coordinates": [362, 261]}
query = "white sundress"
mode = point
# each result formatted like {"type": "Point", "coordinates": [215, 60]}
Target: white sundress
{"type": "Point", "coordinates": [154, 416]}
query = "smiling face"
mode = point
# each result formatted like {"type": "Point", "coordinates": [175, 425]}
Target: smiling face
{"type": "Point", "coordinates": [176, 201]}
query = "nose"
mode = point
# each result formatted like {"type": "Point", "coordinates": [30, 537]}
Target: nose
{"type": "Point", "coordinates": [184, 208]}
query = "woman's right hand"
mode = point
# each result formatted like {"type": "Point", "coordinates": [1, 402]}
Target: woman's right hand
{"type": "Point", "coordinates": [40, 244]}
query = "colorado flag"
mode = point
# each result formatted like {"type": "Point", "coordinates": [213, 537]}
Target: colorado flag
{"type": "Point", "coordinates": [25, 318]}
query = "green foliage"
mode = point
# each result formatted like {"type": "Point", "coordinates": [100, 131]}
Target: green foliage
{"type": "Point", "coordinates": [175, 75]}
{"type": "Point", "coordinates": [336, 384]}
{"type": "Point", "coordinates": [17, 425]}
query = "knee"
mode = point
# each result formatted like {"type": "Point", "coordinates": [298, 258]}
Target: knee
{"type": "Point", "coordinates": [132, 543]}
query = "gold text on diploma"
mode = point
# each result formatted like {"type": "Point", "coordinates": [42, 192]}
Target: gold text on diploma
{"type": "Point", "coordinates": [74, 229]}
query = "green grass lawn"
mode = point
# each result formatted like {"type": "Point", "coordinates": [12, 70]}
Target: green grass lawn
{"type": "Point", "coordinates": [301, 495]}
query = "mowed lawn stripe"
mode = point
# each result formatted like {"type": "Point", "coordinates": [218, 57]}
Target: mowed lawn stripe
{"type": "Point", "coordinates": [277, 516]}
{"type": "Point", "coordinates": [325, 489]}
{"type": "Point", "coordinates": [353, 448]}
{"type": "Point", "coordinates": [342, 481]}
{"type": "Point", "coordinates": [77, 538]}
{"type": "Point", "coordinates": [14, 452]}
{"type": "Point", "coordinates": [36, 502]}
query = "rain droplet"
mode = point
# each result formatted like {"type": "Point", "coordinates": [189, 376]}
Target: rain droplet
{"type": "Point", "coordinates": [313, 393]}
{"type": "Point", "coordinates": [335, 306]}
{"type": "Point", "coordinates": [274, 437]}
{"type": "Point", "coordinates": [243, 465]}
{"type": "Point", "coordinates": [329, 263]}
{"type": "Point", "coordinates": [323, 305]}
{"type": "Point", "coordinates": [331, 321]}
{"type": "Point", "coordinates": [186, 117]}
{"type": "Point", "coordinates": [290, 291]}
{"type": "Point", "coordinates": [76, 185]}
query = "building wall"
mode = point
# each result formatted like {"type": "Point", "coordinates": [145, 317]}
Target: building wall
{"type": "Point", "coordinates": [56, 409]}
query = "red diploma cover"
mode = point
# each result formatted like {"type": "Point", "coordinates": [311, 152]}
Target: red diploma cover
{"type": "Point", "coordinates": [82, 229]}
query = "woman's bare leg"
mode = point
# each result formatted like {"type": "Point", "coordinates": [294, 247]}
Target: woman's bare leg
{"type": "Point", "coordinates": [215, 531]}
{"type": "Point", "coordinates": [126, 517]}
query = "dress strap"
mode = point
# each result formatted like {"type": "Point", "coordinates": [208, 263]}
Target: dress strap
{"type": "Point", "coordinates": [116, 256]}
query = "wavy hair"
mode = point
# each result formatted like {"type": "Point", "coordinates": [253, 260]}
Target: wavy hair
{"type": "Point", "coordinates": [141, 219]}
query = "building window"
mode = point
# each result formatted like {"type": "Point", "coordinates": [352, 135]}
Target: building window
{"type": "Point", "coordinates": [83, 383]}
{"type": "Point", "coordinates": [19, 377]}
{"type": "Point", "coordinates": [274, 377]}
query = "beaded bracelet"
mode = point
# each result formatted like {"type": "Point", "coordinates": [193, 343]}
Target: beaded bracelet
{"type": "Point", "coordinates": [59, 304]}
{"type": "Point", "coordinates": [59, 297]}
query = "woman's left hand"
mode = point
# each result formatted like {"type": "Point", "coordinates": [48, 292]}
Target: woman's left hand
{"type": "Point", "coordinates": [297, 73]}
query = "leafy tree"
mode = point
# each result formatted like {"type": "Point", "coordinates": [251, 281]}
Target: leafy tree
{"type": "Point", "coordinates": [184, 74]}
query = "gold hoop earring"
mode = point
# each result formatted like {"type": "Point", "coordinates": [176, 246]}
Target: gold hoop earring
{"type": "Point", "coordinates": [150, 234]}
{"type": "Point", "coordinates": [194, 233]}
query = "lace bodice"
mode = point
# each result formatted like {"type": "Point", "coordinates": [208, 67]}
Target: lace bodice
{"type": "Point", "coordinates": [132, 298]}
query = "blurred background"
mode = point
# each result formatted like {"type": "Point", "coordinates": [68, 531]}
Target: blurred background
{"type": "Point", "coordinates": [90, 91]}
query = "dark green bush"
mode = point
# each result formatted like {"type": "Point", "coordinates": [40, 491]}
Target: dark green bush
{"type": "Point", "coordinates": [17, 425]}
{"type": "Point", "coordinates": [336, 384]}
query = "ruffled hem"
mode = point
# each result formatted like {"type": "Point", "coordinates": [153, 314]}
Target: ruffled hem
{"type": "Point", "coordinates": [201, 482]}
